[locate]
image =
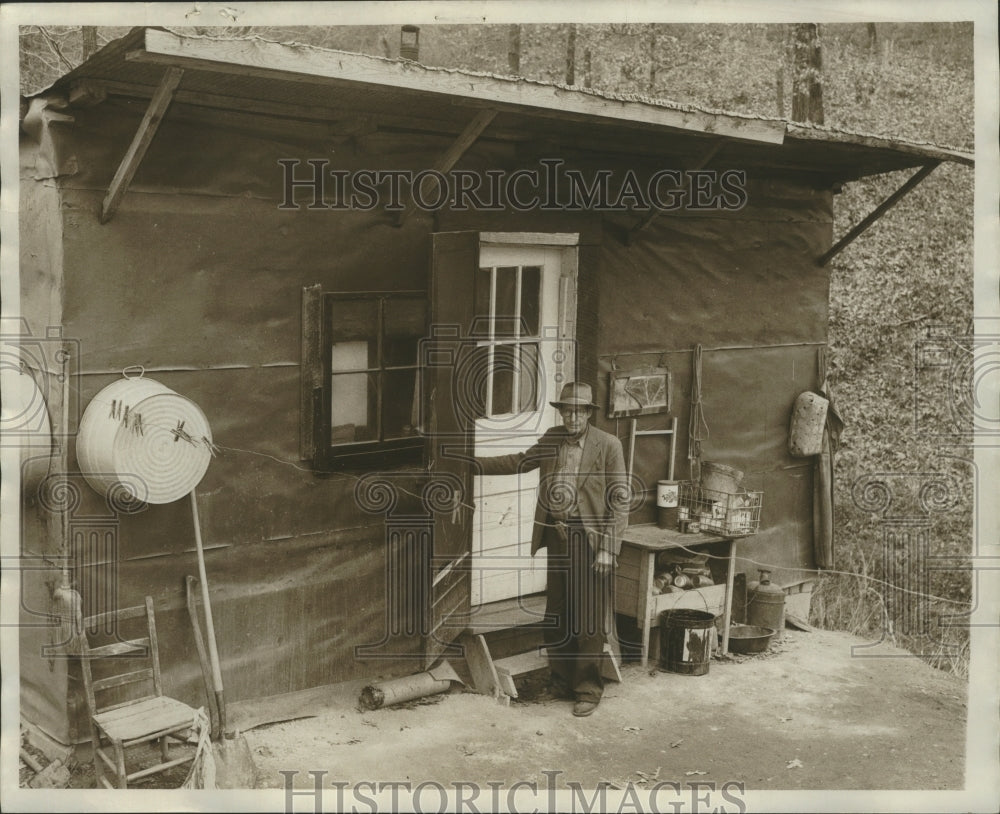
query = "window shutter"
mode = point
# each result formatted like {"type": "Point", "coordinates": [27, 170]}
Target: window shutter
{"type": "Point", "coordinates": [311, 372]}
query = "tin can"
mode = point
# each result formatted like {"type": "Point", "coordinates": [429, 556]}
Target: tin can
{"type": "Point", "coordinates": [666, 518]}
{"type": "Point", "coordinates": [667, 493]}
{"type": "Point", "coordinates": [694, 527]}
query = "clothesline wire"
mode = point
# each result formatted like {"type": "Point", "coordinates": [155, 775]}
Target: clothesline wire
{"type": "Point", "coordinates": [349, 477]}
{"type": "Point", "coordinates": [772, 566]}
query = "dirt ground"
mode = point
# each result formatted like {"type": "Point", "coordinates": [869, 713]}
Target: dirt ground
{"type": "Point", "coordinates": [806, 715]}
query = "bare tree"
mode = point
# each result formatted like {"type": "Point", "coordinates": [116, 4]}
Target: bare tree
{"type": "Point", "coordinates": [571, 55]}
{"type": "Point", "coordinates": [88, 34]}
{"type": "Point", "coordinates": [807, 74]}
{"type": "Point", "coordinates": [514, 49]}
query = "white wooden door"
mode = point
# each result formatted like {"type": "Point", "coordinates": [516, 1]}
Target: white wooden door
{"type": "Point", "coordinates": [525, 312]}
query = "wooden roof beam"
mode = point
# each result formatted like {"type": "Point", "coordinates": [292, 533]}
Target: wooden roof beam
{"type": "Point", "coordinates": [877, 213]}
{"type": "Point", "coordinates": [451, 156]}
{"type": "Point", "coordinates": [140, 142]}
{"type": "Point", "coordinates": [302, 64]}
{"type": "Point", "coordinates": [650, 216]}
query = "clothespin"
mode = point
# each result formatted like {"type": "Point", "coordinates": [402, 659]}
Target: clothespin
{"type": "Point", "coordinates": [179, 433]}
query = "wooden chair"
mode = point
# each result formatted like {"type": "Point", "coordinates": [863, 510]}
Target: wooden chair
{"type": "Point", "coordinates": [136, 721]}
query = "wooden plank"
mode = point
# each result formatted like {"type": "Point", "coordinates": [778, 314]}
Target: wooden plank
{"type": "Point", "coordinates": [328, 115]}
{"type": "Point", "coordinates": [140, 142]}
{"type": "Point", "coordinates": [124, 678]}
{"type": "Point", "coordinates": [878, 212]}
{"type": "Point", "coordinates": [515, 615]}
{"type": "Point", "coordinates": [464, 140]}
{"type": "Point", "coordinates": [138, 648]}
{"type": "Point", "coordinates": [504, 584]}
{"type": "Point", "coordinates": [626, 598]}
{"type": "Point", "coordinates": [521, 663]}
{"type": "Point", "coordinates": [505, 681]}
{"type": "Point", "coordinates": [311, 372]}
{"type": "Point", "coordinates": [150, 705]}
{"type": "Point", "coordinates": [727, 611]}
{"type": "Point", "coordinates": [297, 64]}
{"type": "Point", "coordinates": [160, 767]}
{"type": "Point", "coordinates": [154, 647]}
{"type": "Point", "coordinates": [710, 598]}
{"type": "Point", "coordinates": [651, 537]}
{"type": "Point", "coordinates": [932, 151]}
{"type": "Point", "coordinates": [673, 448]}
{"type": "Point", "coordinates": [530, 238]}
{"type": "Point", "coordinates": [627, 570]}
{"type": "Point", "coordinates": [108, 761]}
{"type": "Point", "coordinates": [708, 155]}
{"type": "Point", "coordinates": [101, 619]}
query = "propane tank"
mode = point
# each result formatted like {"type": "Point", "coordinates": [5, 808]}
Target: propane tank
{"type": "Point", "coordinates": [766, 604]}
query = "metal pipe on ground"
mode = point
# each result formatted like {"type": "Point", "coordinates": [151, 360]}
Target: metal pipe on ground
{"type": "Point", "coordinates": [408, 688]}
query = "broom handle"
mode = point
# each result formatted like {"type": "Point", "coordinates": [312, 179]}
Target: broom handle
{"type": "Point", "coordinates": [213, 651]}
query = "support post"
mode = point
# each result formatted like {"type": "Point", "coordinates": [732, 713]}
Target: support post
{"type": "Point", "coordinates": [465, 140]}
{"type": "Point", "coordinates": [879, 211]}
{"type": "Point", "coordinates": [649, 217]}
{"type": "Point", "coordinates": [140, 142]}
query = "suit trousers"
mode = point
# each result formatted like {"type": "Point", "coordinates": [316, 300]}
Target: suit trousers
{"type": "Point", "coordinates": [578, 610]}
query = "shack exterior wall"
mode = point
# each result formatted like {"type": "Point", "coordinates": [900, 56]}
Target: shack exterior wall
{"type": "Point", "coordinates": [198, 278]}
{"type": "Point", "coordinates": [745, 286]}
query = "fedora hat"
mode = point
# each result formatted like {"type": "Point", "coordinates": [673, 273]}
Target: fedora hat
{"type": "Point", "coordinates": [575, 394]}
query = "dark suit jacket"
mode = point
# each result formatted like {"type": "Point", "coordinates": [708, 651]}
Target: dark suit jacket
{"type": "Point", "coordinates": [602, 485]}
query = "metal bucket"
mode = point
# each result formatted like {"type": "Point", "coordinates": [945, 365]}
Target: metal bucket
{"type": "Point", "coordinates": [139, 440]}
{"type": "Point", "coordinates": [686, 641]}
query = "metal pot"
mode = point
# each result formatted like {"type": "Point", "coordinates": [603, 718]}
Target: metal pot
{"type": "Point", "coordinates": [750, 638]}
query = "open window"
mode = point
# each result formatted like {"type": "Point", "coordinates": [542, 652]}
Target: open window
{"type": "Point", "coordinates": [365, 404]}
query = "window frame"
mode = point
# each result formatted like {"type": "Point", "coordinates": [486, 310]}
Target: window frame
{"type": "Point", "coordinates": [491, 341]}
{"type": "Point", "coordinates": [377, 453]}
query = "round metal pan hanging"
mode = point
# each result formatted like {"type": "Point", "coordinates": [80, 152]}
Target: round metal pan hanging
{"type": "Point", "coordinates": [140, 436]}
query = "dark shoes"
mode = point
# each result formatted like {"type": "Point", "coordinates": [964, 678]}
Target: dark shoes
{"type": "Point", "coordinates": [581, 709]}
{"type": "Point", "coordinates": [557, 689]}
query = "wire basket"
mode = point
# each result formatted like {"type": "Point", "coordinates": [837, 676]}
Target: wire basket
{"type": "Point", "coordinates": [733, 514]}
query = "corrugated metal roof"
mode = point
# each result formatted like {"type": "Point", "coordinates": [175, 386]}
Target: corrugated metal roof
{"type": "Point", "coordinates": [305, 81]}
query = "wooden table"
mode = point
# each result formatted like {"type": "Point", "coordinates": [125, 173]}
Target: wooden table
{"type": "Point", "coordinates": [636, 595]}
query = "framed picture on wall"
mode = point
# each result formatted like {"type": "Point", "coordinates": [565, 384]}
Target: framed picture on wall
{"type": "Point", "coordinates": [640, 391]}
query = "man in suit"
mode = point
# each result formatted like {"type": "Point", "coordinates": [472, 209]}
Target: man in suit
{"type": "Point", "coordinates": [580, 516]}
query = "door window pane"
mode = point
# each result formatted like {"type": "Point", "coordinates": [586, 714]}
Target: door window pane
{"type": "Point", "coordinates": [505, 304]}
{"type": "Point", "coordinates": [504, 357]}
{"type": "Point", "coordinates": [472, 381]}
{"type": "Point", "coordinates": [531, 283]}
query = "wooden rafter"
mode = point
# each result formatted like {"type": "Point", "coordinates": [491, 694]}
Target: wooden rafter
{"type": "Point", "coordinates": [878, 212]}
{"type": "Point", "coordinates": [451, 156]}
{"type": "Point", "coordinates": [650, 216]}
{"type": "Point", "coordinates": [140, 142]}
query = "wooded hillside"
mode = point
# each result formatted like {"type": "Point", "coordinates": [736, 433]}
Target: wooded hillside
{"type": "Point", "coordinates": [903, 288]}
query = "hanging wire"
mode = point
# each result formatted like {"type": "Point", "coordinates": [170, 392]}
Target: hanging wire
{"type": "Point", "coordinates": [696, 420]}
